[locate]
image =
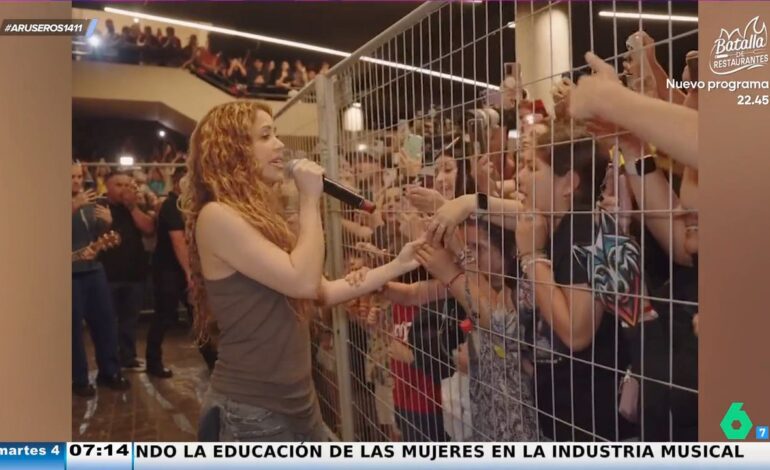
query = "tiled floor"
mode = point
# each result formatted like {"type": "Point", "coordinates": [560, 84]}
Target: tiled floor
{"type": "Point", "coordinates": [153, 409]}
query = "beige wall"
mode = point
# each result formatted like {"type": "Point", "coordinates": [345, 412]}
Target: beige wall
{"type": "Point", "coordinates": [734, 221]}
{"type": "Point", "coordinates": [35, 131]}
{"type": "Point", "coordinates": [182, 32]}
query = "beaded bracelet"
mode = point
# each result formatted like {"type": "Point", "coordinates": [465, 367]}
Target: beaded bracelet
{"type": "Point", "coordinates": [528, 261]}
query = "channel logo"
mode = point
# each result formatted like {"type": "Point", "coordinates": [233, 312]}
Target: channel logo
{"type": "Point", "coordinates": [737, 425]}
{"type": "Point", "coordinates": [740, 49]}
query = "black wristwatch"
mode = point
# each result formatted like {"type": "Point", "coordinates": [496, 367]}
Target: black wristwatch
{"type": "Point", "coordinates": [645, 165]}
{"type": "Point", "coordinates": [482, 202]}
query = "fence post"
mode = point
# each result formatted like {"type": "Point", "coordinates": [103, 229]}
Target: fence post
{"type": "Point", "coordinates": [327, 139]}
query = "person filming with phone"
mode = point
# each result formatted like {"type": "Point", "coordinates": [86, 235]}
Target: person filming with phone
{"type": "Point", "coordinates": [91, 295]}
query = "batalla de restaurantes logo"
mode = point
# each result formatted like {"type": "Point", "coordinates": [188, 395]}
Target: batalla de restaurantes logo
{"type": "Point", "coordinates": [740, 50]}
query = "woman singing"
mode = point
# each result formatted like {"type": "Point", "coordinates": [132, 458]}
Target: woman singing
{"type": "Point", "coordinates": [255, 280]}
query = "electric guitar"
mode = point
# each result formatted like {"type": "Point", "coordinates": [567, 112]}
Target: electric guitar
{"type": "Point", "coordinates": [109, 240]}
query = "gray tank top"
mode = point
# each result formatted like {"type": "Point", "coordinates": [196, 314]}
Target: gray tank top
{"type": "Point", "coordinates": [263, 350]}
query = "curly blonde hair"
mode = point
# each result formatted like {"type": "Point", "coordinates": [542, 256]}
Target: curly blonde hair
{"type": "Point", "coordinates": [221, 167]}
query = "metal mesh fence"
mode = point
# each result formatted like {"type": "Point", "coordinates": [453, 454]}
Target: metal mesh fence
{"type": "Point", "coordinates": [564, 305]}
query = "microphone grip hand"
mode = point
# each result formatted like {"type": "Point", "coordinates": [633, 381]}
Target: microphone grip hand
{"type": "Point", "coordinates": [311, 182]}
{"type": "Point", "coordinates": [308, 177]}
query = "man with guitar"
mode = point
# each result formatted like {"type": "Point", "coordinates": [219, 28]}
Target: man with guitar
{"type": "Point", "coordinates": [91, 299]}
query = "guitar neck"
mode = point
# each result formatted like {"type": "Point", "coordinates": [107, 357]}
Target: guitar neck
{"type": "Point", "coordinates": [78, 255]}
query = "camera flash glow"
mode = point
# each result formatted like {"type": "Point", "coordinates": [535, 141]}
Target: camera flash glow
{"type": "Point", "coordinates": [126, 160]}
{"type": "Point", "coordinates": [94, 41]}
{"type": "Point", "coordinates": [161, 133]}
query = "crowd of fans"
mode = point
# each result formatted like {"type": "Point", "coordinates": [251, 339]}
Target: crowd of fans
{"type": "Point", "coordinates": [240, 76]}
{"type": "Point", "coordinates": [557, 293]}
{"type": "Point", "coordinates": [557, 297]}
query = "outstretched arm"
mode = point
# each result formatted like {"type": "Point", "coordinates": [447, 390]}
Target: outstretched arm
{"type": "Point", "coordinates": [341, 290]}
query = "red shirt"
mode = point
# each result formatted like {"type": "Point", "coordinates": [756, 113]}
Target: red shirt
{"type": "Point", "coordinates": [413, 390]}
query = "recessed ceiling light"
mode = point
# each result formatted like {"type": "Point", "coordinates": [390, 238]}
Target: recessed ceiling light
{"type": "Point", "coordinates": [628, 15]}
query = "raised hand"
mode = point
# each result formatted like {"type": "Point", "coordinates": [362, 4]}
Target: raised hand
{"type": "Point", "coordinates": [424, 199]}
{"type": "Point", "coordinates": [83, 198]}
{"type": "Point", "coordinates": [439, 261]}
{"type": "Point", "coordinates": [452, 213]}
{"type": "Point", "coordinates": [407, 257]}
{"type": "Point", "coordinates": [590, 95]}
{"type": "Point", "coordinates": [104, 214]}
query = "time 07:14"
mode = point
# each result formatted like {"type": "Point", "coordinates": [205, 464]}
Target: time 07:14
{"type": "Point", "coordinates": [87, 450]}
{"type": "Point", "coordinates": [748, 100]}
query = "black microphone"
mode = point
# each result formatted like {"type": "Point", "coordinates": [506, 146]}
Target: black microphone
{"type": "Point", "coordinates": [338, 191]}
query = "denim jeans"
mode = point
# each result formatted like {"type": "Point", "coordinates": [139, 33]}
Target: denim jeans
{"type": "Point", "coordinates": [224, 420]}
{"type": "Point", "coordinates": [127, 298]}
{"type": "Point", "coordinates": [91, 302]}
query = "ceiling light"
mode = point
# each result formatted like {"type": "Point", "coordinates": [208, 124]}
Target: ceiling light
{"type": "Point", "coordinates": [294, 44]}
{"type": "Point", "coordinates": [647, 16]}
{"type": "Point", "coordinates": [161, 133]}
{"type": "Point", "coordinates": [353, 119]}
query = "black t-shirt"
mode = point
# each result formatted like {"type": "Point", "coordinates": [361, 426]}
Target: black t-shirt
{"type": "Point", "coordinates": [435, 332]}
{"type": "Point", "coordinates": [169, 219]}
{"type": "Point", "coordinates": [677, 316]}
{"type": "Point", "coordinates": [576, 230]}
{"type": "Point", "coordinates": [572, 388]}
{"type": "Point", "coordinates": [128, 261]}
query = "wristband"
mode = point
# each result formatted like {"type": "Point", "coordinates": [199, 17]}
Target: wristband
{"type": "Point", "coordinates": [642, 166]}
{"type": "Point", "coordinates": [528, 257]}
{"type": "Point", "coordinates": [526, 268]}
{"type": "Point", "coordinates": [454, 278]}
{"type": "Point", "coordinates": [482, 202]}
{"type": "Point", "coordinates": [645, 165]}
{"type": "Point", "coordinates": [528, 260]}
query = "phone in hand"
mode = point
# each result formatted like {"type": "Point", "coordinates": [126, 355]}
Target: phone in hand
{"type": "Point", "coordinates": [477, 131]}
{"type": "Point", "coordinates": [413, 147]}
{"type": "Point", "coordinates": [89, 185]}
{"type": "Point", "coordinates": [692, 66]}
